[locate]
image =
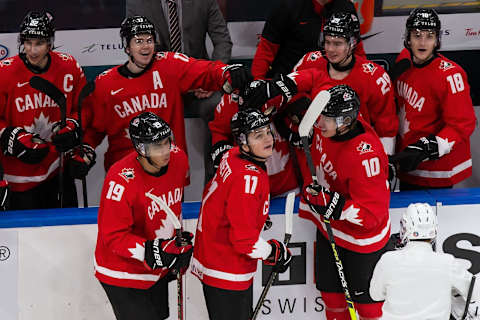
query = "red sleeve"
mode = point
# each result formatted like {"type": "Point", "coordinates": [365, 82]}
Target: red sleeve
{"type": "Point", "coordinates": [193, 73]}
{"type": "Point", "coordinates": [115, 215]}
{"type": "Point", "coordinates": [313, 59]}
{"type": "Point", "coordinates": [243, 210]}
{"type": "Point", "coordinates": [220, 125]}
{"type": "Point", "coordinates": [360, 50]}
{"type": "Point", "coordinates": [310, 81]}
{"type": "Point", "coordinates": [264, 56]}
{"type": "Point", "coordinates": [457, 109]}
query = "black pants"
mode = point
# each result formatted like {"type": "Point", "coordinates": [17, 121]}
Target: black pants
{"type": "Point", "coordinates": [139, 304]}
{"type": "Point", "coordinates": [225, 304]}
{"type": "Point", "coordinates": [45, 195]}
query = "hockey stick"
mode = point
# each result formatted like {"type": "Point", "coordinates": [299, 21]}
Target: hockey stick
{"type": "Point", "coordinates": [178, 232]}
{"type": "Point", "coordinates": [58, 96]}
{"type": "Point", "coordinates": [289, 202]}
{"type": "Point", "coordinates": [469, 297]}
{"type": "Point", "coordinates": [315, 109]}
{"type": "Point", "coordinates": [86, 91]}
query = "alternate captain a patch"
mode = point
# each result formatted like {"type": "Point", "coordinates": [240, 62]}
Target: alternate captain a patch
{"type": "Point", "coordinates": [364, 147]}
{"type": "Point", "coordinates": [127, 174]}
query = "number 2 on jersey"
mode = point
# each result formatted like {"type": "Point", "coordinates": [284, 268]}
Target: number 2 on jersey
{"type": "Point", "coordinates": [372, 166]}
{"type": "Point", "coordinates": [115, 191]}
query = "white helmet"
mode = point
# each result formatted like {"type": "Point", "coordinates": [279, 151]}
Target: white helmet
{"type": "Point", "coordinates": [419, 222]}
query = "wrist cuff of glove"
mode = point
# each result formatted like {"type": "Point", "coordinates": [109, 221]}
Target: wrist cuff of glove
{"type": "Point", "coordinates": [335, 206]}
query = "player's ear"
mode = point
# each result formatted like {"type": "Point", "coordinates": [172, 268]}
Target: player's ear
{"type": "Point", "coordinates": [245, 148]}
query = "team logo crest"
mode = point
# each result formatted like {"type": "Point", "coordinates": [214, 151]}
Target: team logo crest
{"type": "Point", "coordinates": [161, 55]}
{"type": "Point", "coordinates": [347, 96]}
{"type": "Point", "coordinates": [5, 62]}
{"type": "Point", "coordinates": [127, 174]}
{"type": "Point", "coordinates": [251, 167]}
{"type": "Point", "coordinates": [175, 149]}
{"type": "Point", "coordinates": [369, 68]}
{"type": "Point", "coordinates": [445, 65]}
{"type": "Point", "coordinates": [364, 147]}
{"type": "Point", "coordinates": [314, 56]}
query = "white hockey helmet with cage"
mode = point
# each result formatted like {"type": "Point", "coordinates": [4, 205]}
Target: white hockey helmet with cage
{"type": "Point", "coordinates": [419, 222]}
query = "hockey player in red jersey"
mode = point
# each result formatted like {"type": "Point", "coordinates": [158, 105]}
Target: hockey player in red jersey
{"type": "Point", "coordinates": [369, 80]}
{"type": "Point", "coordinates": [150, 81]}
{"type": "Point", "coordinates": [234, 210]}
{"type": "Point", "coordinates": [282, 174]}
{"type": "Point", "coordinates": [351, 167]}
{"type": "Point", "coordinates": [30, 130]}
{"type": "Point", "coordinates": [436, 112]}
{"type": "Point", "coordinates": [135, 250]}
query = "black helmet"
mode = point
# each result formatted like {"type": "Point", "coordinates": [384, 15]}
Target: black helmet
{"type": "Point", "coordinates": [344, 103]}
{"type": "Point", "coordinates": [135, 25]}
{"type": "Point", "coordinates": [244, 121]}
{"type": "Point", "coordinates": [147, 128]}
{"type": "Point", "coordinates": [343, 24]}
{"type": "Point", "coordinates": [37, 25]}
{"type": "Point", "coordinates": [422, 19]}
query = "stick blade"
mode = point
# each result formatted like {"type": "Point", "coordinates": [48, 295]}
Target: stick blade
{"type": "Point", "coordinates": [49, 89]}
{"type": "Point", "coordinates": [289, 203]}
{"type": "Point", "coordinates": [313, 112]}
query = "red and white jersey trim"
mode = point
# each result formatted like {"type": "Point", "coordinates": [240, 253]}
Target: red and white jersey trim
{"type": "Point", "coordinates": [200, 270]}
{"type": "Point", "coordinates": [124, 275]}
{"type": "Point", "coordinates": [442, 174]}
{"type": "Point", "coordinates": [27, 179]}
{"type": "Point", "coordinates": [346, 237]}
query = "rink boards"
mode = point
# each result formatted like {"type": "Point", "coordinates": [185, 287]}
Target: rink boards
{"type": "Point", "coordinates": [46, 260]}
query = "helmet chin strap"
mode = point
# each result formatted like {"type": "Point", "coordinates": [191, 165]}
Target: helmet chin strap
{"type": "Point", "coordinates": [138, 65]}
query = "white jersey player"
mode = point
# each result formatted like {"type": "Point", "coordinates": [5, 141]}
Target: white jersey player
{"type": "Point", "coordinates": [417, 282]}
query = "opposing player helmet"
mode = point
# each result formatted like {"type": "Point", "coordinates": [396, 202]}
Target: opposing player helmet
{"type": "Point", "coordinates": [136, 25]}
{"type": "Point", "coordinates": [37, 25]}
{"type": "Point", "coordinates": [245, 121]}
{"type": "Point", "coordinates": [148, 129]}
{"type": "Point", "coordinates": [422, 19]}
{"type": "Point", "coordinates": [419, 222]}
{"type": "Point", "coordinates": [344, 104]}
{"type": "Point", "coordinates": [343, 24]}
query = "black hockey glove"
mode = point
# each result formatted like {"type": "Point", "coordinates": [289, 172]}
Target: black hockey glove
{"type": "Point", "coordinates": [217, 151]}
{"type": "Point", "coordinates": [165, 253]}
{"type": "Point", "coordinates": [27, 147]}
{"type": "Point", "coordinates": [68, 137]}
{"type": "Point", "coordinates": [237, 78]}
{"type": "Point", "coordinates": [392, 169]}
{"type": "Point", "coordinates": [323, 202]}
{"type": "Point", "coordinates": [426, 148]}
{"type": "Point", "coordinates": [4, 192]}
{"type": "Point", "coordinates": [80, 160]}
{"type": "Point", "coordinates": [260, 91]}
{"type": "Point", "coordinates": [280, 257]}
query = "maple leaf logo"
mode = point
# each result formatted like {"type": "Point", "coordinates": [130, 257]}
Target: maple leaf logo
{"type": "Point", "coordinates": [138, 252]}
{"type": "Point", "coordinates": [276, 163]}
{"type": "Point", "coordinates": [404, 123]}
{"type": "Point", "coordinates": [41, 126]}
{"type": "Point", "coordinates": [369, 68]}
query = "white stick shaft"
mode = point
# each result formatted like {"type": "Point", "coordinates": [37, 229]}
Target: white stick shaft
{"type": "Point", "coordinates": [289, 203]}
{"type": "Point", "coordinates": [166, 208]}
{"type": "Point", "coordinates": [313, 112]}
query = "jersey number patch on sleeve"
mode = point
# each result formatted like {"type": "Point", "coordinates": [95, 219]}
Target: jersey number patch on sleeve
{"type": "Point", "coordinates": [456, 83]}
{"type": "Point", "coordinates": [372, 166]}
{"type": "Point", "coordinates": [115, 191]}
{"type": "Point", "coordinates": [250, 183]}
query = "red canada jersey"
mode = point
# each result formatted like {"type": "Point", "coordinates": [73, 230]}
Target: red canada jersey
{"type": "Point", "coordinates": [127, 218]}
{"type": "Point", "coordinates": [373, 86]}
{"type": "Point", "coordinates": [357, 169]}
{"type": "Point", "coordinates": [234, 209]}
{"type": "Point", "coordinates": [280, 166]}
{"type": "Point", "coordinates": [435, 99]}
{"type": "Point", "coordinates": [25, 107]}
{"type": "Point", "coordinates": [117, 99]}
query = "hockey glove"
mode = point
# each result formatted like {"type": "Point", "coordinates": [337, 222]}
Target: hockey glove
{"type": "Point", "coordinates": [27, 147]}
{"type": "Point", "coordinates": [184, 258]}
{"type": "Point", "coordinates": [217, 151]}
{"type": "Point", "coordinates": [261, 91]}
{"type": "Point", "coordinates": [268, 224]}
{"type": "Point", "coordinates": [80, 160]}
{"type": "Point", "coordinates": [280, 257]}
{"type": "Point", "coordinates": [323, 202]}
{"type": "Point", "coordinates": [4, 192]}
{"type": "Point", "coordinates": [164, 253]}
{"type": "Point", "coordinates": [392, 169]}
{"type": "Point", "coordinates": [237, 78]}
{"type": "Point", "coordinates": [68, 137]}
{"type": "Point", "coordinates": [426, 148]}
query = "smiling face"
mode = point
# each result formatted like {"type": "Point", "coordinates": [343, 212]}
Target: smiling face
{"type": "Point", "coordinates": [141, 49]}
{"type": "Point", "coordinates": [36, 51]}
{"type": "Point", "coordinates": [260, 142]}
{"type": "Point", "coordinates": [337, 49]}
{"type": "Point", "coordinates": [422, 44]}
